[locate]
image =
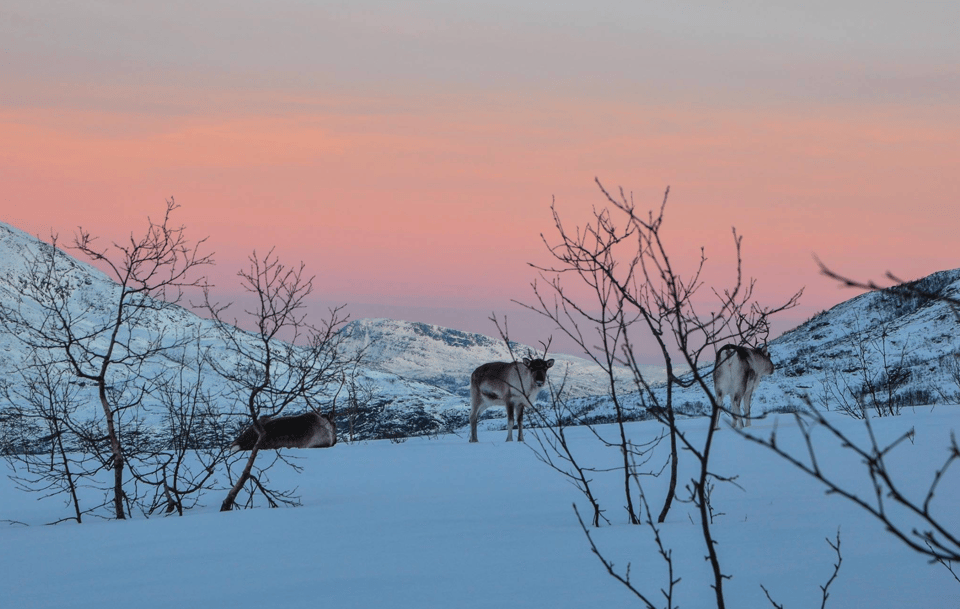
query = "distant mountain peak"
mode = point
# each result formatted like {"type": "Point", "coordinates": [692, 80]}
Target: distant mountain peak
{"type": "Point", "coordinates": [377, 328]}
{"type": "Point", "coordinates": [446, 357]}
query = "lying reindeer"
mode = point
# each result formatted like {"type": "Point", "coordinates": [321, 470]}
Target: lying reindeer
{"type": "Point", "coordinates": [513, 384]}
{"type": "Point", "coordinates": [737, 375]}
{"type": "Point", "coordinates": [307, 430]}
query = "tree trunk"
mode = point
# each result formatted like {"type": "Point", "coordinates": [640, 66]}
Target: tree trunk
{"type": "Point", "coordinates": [674, 456]}
{"type": "Point", "coordinates": [231, 498]}
{"type": "Point", "coordinates": [71, 483]}
{"type": "Point", "coordinates": [674, 461]}
{"type": "Point", "coordinates": [117, 453]}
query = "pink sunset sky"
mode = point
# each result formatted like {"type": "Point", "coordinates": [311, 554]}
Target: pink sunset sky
{"type": "Point", "coordinates": [408, 153]}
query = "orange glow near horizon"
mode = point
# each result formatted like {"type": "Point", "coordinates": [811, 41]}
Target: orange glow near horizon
{"type": "Point", "coordinates": [444, 206]}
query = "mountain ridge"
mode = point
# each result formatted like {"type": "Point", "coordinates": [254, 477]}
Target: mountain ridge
{"type": "Point", "coordinates": [416, 375]}
{"type": "Point", "coordinates": [897, 344]}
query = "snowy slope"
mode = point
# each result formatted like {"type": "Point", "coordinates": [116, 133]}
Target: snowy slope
{"type": "Point", "coordinates": [918, 337]}
{"type": "Point", "coordinates": [876, 336]}
{"type": "Point", "coordinates": [417, 375]}
{"type": "Point", "coordinates": [443, 523]}
{"type": "Point", "coordinates": [446, 357]}
{"type": "Point", "coordinates": [890, 334]}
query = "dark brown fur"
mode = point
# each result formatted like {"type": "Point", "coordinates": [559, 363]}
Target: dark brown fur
{"type": "Point", "coordinates": [307, 430]}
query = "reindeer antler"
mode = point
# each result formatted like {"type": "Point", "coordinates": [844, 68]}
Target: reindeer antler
{"type": "Point", "coordinates": [763, 334]}
{"type": "Point", "coordinates": [546, 347]}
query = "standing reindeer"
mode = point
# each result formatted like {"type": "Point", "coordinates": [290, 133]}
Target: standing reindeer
{"type": "Point", "coordinates": [737, 374]}
{"type": "Point", "coordinates": [307, 430]}
{"type": "Point", "coordinates": [514, 384]}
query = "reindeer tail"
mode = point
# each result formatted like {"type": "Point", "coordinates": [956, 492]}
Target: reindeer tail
{"type": "Point", "coordinates": [729, 346]}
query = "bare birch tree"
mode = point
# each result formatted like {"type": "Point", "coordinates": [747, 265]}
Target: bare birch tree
{"type": "Point", "coordinates": [914, 517]}
{"type": "Point", "coordinates": [284, 360]}
{"type": "Point", "coordinates": [194, 432]}
{"type": "Point", "coordinates": [46, 454]}
{"type": "Point", "coordinates": [109, 344]}
{"type": "Point", "coordinates": [640, 295]}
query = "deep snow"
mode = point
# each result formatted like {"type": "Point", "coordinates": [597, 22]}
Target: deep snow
{"type": "Point", "coordinates": [443, 523]}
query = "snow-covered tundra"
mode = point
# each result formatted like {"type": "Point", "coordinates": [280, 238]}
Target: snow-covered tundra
{"type": "Point", "coordinates": [421, 524]}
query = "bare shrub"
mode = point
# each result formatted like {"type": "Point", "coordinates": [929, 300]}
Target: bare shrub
{"type": "Point", "coordinates": [284, 360]}
{"type": "Point", "coordinates": [638, 294]}
{"type": "Point", "coordinates": [107, 345]}
{"type": "Point", "coordinates": [910, 517]}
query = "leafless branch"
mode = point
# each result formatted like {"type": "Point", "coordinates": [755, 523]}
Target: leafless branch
{"type": "Point", "coordinates": [285, 359]}
{"type": "Point", "coordinates": [935, 539]}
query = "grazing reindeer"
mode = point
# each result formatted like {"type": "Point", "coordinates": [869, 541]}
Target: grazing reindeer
{"type": "Point", "coordinates": [736, 374]}
{"type": "Point", "coordinates": [307, 430]}
{"type": "Point", "coordinates": [515, 384]}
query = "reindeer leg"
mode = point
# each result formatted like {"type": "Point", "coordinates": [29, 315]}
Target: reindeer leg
{"type": "Point", "coordinates": [735, 413]}
{"type": "Point", "coordinates": [474, 412]}
{"type": "Point", "coordinates": [473, 425]}
{"type": "Point", "coordinates": [520, 423]}
{"type": "Point", "coordinates": [509, 421]}
{"type": "Point", "coordinates": [748, 396]}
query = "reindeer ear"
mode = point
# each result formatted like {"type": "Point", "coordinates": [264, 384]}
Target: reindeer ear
{"type": "Point", "coordinates": [526, 362]}
{"type": "Point", "coordinates": [549, 363]}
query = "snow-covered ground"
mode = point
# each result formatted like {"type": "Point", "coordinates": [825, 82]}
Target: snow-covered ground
{"type": "Point", "coordinates": [443, 523]}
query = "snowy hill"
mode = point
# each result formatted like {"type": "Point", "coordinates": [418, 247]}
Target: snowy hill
{"type": "Point", "coordinates": [415, 377]}
{"type": "Point", "coordinates": [913, 340]}
{"type": "Point", "coordinates": [901, 346]}
{"type": "Point", "coordinates": [892, 344]}
{"type": "Point", "coordinates": [445, 358]}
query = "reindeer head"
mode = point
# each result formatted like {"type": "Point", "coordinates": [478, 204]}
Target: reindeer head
{"type": "Point", "coordinates": [538, 367]}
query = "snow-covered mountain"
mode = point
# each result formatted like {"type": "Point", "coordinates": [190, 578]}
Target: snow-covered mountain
{"type": "Point", "coordinates": [901, 344]}
{"type": "Point", "coordinates": [414, 377]}
{"type": "Point", "coordinates": [445, 358]}
{"type": "Point", "coordinates": [893, 346]}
